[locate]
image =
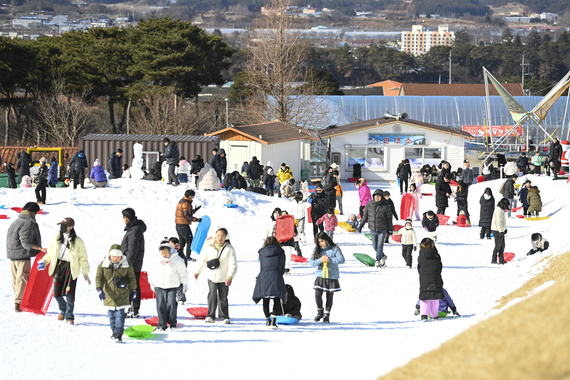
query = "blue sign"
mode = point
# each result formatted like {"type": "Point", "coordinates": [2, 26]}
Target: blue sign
{"type": "Point", "coordinates": [395, 139]}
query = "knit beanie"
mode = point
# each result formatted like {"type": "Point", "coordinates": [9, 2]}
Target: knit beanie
{"type": "Point", "coordinates": [408, 221]}
{"type": "Point", "coordinates": [97, 162]}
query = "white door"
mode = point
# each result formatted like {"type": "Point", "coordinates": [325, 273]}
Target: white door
{"type": "Point", "coordinates": [237, 155]}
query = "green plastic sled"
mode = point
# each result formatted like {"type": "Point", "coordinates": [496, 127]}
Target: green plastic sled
{"type": "Point", "coordinates": [368, 235]}
{"type": "Point", "coordinates": [365, 259]}
{"type": "Point", "coordinates": [139, 331]}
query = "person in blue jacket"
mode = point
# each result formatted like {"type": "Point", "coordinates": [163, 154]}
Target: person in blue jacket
{"type": "Point", "coordinates": [98, 177]}
{"type": "Point", "coordinates": [326, 258]}
{"type": "Point", "coordinates": [523, 192]}
{"type": "Point", "coordinates": [445, 304]}
{"type": "Point", "coordinates": [80, 166]}
{"type": "Point", "coordinates": [53, 173]}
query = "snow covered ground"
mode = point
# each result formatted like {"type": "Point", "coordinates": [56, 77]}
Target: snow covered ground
{"type": "Point", "coordinates": [372, 330]}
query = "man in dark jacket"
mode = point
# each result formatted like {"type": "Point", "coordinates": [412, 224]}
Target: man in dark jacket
{"type": "Point", "coordinates": [404, 173]}
{"type": "Point", "coordinates": [445, 168]}
{"type": "Point", "coordinates": [318, 202]}
{"type": "Point", "coordinates": [172, 154]}
{"type": "Point", "coordinates": [254, 172]}
{"type": "Point", "coordinates": [220, 163]}
{"type": "Point", "coordinates": [555, 156]}
{"type": "Point", "coordinates": [379, 217]}
{"type": "Point", "coordinates": [23, 242]}
{"type": "Point", "coordinates": [442, 193]}
{"type": "Point", "coordinates": [214, 157]}
{"type": "Point", "coordinates": [508, 191]}
{"type": "Point", "coordinates": [133, 248]}
{"type": "Point", "coordinates": [80, 166]}
{"type": "Point", "coordinates": [115, 164]}
{"type": "Point", "coordinates": [330, 192]}
{"type": "Point", "coordinates": [522, 163]}
{"type": "Point", "coordinates": [24, 164]}
{"type": "Point", "coordinates": [467, 176]}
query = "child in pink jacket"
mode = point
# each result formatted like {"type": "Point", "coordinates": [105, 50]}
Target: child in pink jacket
{"type": "Point", "coordinates": [363, 194]}
{"type": "Point", "coordinates": [417, 196]}
{"type": "Point", "coordinates": [330, 220]}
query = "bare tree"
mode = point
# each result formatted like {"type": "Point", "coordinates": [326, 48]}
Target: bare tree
{"type": "Point", "coordinates": [277, 68]}
{"type": "Point", "coordinates": [61, 117]}
{"type": "Point", "coordinates": [167, 114]}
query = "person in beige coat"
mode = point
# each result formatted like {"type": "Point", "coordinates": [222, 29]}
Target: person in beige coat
{"type": "Point", "coordinates": [219, 278]}
{"type": "Point", "coordinates": [67, 256]}
{"type": "Point", "coordinates": [499, 230]}
{"type": "Point", "coordinates": [409, 241]}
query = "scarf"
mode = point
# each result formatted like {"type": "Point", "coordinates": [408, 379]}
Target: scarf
{"type": "Point", "coordinates": [219, 246]}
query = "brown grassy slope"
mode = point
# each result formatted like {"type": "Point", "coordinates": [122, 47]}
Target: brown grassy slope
{"type": "Point", "coordinates": [529, 340]}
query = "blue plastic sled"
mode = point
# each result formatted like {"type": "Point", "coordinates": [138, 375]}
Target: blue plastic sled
{"type": "Point", "coordinates": [281, 320]}
{"type": "Point", "coordinates": [201, 234]}
{"type": "Point", "coordinates": [2, 207]}
{"type": "Point", "coordinates": [230, 205]}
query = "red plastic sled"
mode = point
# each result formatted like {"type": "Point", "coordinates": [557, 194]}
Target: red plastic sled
{"type": "Point", "coordinates": [453, 183]}
{"type": "Point", "coordinates": [508, 256]}
{"type": "Point", "coordinates": [520, 216]}
{"type": "Point", "coordinates": [39, 289]}
{"type": "Point", "coordinates": [442, 219]}
{"type": "Point", "coordinates": [309, 219]}
{"type": "Point", "coordinates": [4, 217]}
{"type": "Point", "coordinates": [19, 210]}
{"type": "Point", "coordinates": [516, 209]}
{"type": "Point", "coordinates": [154, 321]}
{"type": "Point", "coordinates": [427, 194]}
{"type": "Point", "coordinates": [397, 238]}
{"type": "Point", "coordinates": [298, 259]}
{"type": "Point", "coordinates": [198, 312]}
{"type": "Point", "coordinates": [406, 206]}
{"type": "Point", "coordinates": [285, 228]}
{"type": "Point", "coordinates": [146, 291]}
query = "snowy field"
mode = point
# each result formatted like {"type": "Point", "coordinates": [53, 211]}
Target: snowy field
{"type": "Point", "coordinates": [372, 330]}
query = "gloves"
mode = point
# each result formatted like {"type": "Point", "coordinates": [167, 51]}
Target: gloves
{"type": "Point", "coordinates": [415, 247]}
{"type": "Point", "coordinates": [133, 295]}
{"type": "Point", "coordinates": [504, 233]}
{"type": "Point", "coordinates": [198, 220]}
{"type": "Point", "coordinates": [197, 208]}
{"type": "Point", "coordinates": [41, 265]}
{"type": "Point", "coordinates": [454, 310]}
{"type": "Point", "coordinates": [101, 294]}
{"type": "Point", "coordinates": [185, 288]}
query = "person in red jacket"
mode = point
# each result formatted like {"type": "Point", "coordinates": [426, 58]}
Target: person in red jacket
{"type": "Point", "coordinates": [330, 221]}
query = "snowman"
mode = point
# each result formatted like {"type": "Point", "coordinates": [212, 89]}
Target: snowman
{"type": "Point", "coordinates": [136, 171]}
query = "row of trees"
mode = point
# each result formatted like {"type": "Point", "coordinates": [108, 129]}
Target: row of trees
{"type": "Point", "coordinates": [124, 67]}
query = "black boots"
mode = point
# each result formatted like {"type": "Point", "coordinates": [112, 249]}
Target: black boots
{"type": "Point", "coordinates": [320, 315]}
{"type": "Point", "coordinates": [326, 318]}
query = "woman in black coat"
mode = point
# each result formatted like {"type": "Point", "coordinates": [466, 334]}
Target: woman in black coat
{"type": "Point", "coordinates": [269, 283]}
{"type": "Point", "coordinates": [431, 283]}
{"type": "Point", "coordinates": [195, 167]}
{"type": "Point", "coordinates": [442, 192]}
{"type": "Point", "coordinates": [461, 197]}
{"type": "Point", "coordinates": [404, 173]}
{"type": "Point", "coordinates": [487, 203]}
{"type": "Point", "coordinates": [24, 164]}
{"type": "Point", "coordinates": [319, 203]}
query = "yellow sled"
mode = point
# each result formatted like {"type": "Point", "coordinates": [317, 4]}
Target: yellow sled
{"type": "Point", "coordinates": [347, 227]}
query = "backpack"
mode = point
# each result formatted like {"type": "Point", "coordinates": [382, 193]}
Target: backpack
{"type": "Point", "coordinates": [502, 187]}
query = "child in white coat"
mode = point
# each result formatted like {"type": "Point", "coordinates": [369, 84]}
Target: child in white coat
{"type": "Point", "coordinates": [167, 273]}
{"type": "Point", "coordinates": [409, 241]}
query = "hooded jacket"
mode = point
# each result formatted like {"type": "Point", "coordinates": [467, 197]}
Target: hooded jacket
{"type": "Point", "coordinates": [24, 164]}
{"type": "Point", "coordinates": [172, 153]}
{"type": "Point", "coordinates": [77, 254]}
{"type": "Point", "coordinates": [208, 179]}
{"type": "Point", "coordinates": [115, 165]}
{"type": "Point", "coordinates": [318, 205]}
{"type": "Point", "coordinates": [22, 235]}
{"type": "Point", "coordinates": [284, 174]}
{"type": "Point", "coordinates": [254, 170]}
{"type": "Point", "coordinates": [98, 173]}
{"type": "Point", "coordinates": [441, 189]}
{"type": "Point", "coordinates": [522, 162]}
{"type": "Point", "coordinates": [534, 201]}
{"type": "Point", "coordinates": [196, 166]}
{"type": "Point", "coordinates": [430, 224]}
{"type": "Point", "coordinates": [220, 163]}
{"type": "Point", "coordinates": [79, 163]}
{"type": "Point", "coordinates": [133, 243]}
{"type": "Point", "coordinates": [115, 298]}
{"type": "Point", "coordinates": [330, 193]}
{"type": "Point", "coordinates": [429, 268]}
{"type": "Point", "coordinates": [364, 194]}
{"type": "Point", "coordinates": [269, 281]}
{"type": "Point", "coordinates": [228, 262]}
{"type": "Point", "coordinates": [168, 273]}
{"type": "Point", "coordinates": [523, 192]}
{"type": "Point", "coordinates": [377, 214]}
{"type": "Point", "coordinates": [486, 210]}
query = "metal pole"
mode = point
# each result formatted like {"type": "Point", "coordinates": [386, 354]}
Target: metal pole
{"type": "Point", "coordinates": [227, 116]}
{"type": "Point", "coordinates": [449, 66]}
{"type": "Point", "coordinates": [522, 80]}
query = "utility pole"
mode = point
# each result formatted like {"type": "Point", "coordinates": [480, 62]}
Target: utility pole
{"type": "Point", "coordinates": [227, 116]}
{"type": "Point", "coordinates": [523, 71]}
{"type": "Point", "coordinates": [449, 66]}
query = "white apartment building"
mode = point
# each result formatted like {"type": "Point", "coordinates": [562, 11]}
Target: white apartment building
{"type": "Point", "coordinates": [419, 41]}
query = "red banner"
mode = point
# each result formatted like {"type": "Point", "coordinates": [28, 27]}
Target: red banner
{"type": "Point", "coordinates": [498, 130]}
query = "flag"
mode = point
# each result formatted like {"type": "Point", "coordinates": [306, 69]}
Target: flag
{"type": "Point", "coordinates": [516, 110]}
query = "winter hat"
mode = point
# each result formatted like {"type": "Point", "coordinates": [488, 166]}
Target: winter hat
{"type": "Point", "coordinates": [166, 245]}
{"type": "Point", "coordinates": [334, 165]}
{"type": "Point", "coordinates": [116, 250]}
{"type": "Point", "coordinates": [43, 160]}
{"type": "Point", "coordinates": [166, 139]}
{"type": "Point", "coordinates": [81, 153]}
{"type": "Point", "coordinates": [97, 162]}
{"type": "Point", "coordinates": [408, 221]}
{"type": "Point", "coordinates": [269, 163]}
{"type": "Point", "coordinates": [68, 222]}
{"type": "Point", "coordinates": [378, 192]}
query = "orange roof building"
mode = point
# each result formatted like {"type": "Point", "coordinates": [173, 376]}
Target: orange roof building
{"type": "Point", "coordinates": [390, 87]}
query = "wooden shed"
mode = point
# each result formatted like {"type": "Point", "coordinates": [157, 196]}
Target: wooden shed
{"type": "Point", "coordinates": [272, 141]}
{"type": "Point", "coordinates": [101, 146]}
